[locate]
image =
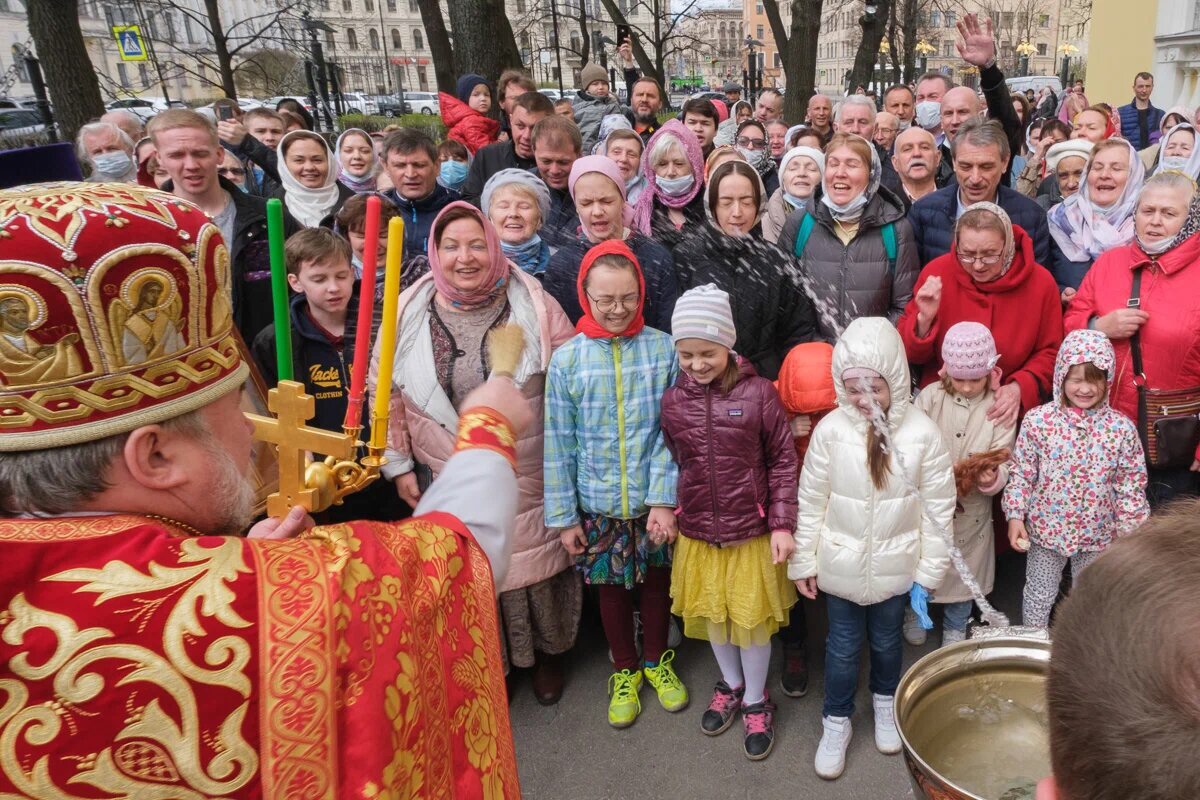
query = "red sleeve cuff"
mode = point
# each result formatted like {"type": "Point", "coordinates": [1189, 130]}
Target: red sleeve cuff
{"type": "Point", "coordinates": [483, 428]}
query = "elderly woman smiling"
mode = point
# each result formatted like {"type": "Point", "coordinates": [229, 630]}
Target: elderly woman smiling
{"type": "Point", "coordinates": [517, 202]}
{"type": "Point", "coordinates": [800, 173]}
{"type": "Point", "coordinates": [443, 321]}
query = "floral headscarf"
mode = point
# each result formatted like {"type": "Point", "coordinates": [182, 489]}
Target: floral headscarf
{"type": "Point", "coordinates": [1082, 230]}
{"type": "Point", "coordinates": [1010, 242]}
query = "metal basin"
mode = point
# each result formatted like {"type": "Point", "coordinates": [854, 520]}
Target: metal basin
{"type": "Point", "coordinates": [972, 717]}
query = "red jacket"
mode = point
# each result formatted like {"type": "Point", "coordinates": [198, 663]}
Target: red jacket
{"type": "Point", "coordinates": [806, 386]}
{"type": "Point", "coordinates": [1170, 338]}
{"type": "Point", "coordinates": [737, 466]}
{"type": "Point", "coordinates": [467, 125]}
{"type": "Point", "coordinates": [1021, 308]}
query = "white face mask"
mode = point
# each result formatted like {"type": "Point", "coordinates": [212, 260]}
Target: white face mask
{"type": "Point", "coordinates": [1155, 248]}
{"type": "Point", "coordinates": [675, 187]}
{"type": "Point", "coordinates": [113, 165]}
{"type": "Point", "coordinates": [929, 114]}
{"type": "Point", "coordinates": [1174, 162]}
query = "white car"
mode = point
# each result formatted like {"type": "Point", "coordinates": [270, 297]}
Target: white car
{"type": "Point", "coordinates": [359, 103]}
{"type": "Point", "coordinates": [244, 103]}
{"type": "Point", "coordinates": [421, 103]}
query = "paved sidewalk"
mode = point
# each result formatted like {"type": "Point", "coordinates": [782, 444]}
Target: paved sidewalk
{"type": "Point", "coordinates": [569, 750]}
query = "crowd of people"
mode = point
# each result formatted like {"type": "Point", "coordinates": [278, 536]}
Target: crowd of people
{"type": "Point", "coordinates": [768, 360]}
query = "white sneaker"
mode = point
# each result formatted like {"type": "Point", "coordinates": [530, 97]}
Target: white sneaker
{"type": "Point", "coordinates": [887, 738]}
{"type": "Point", "coordinates": [831, 752]}
{"type": "Point", "coordinates": [914, 634]}
{"type": "Point", "coordinates": [674, 635]}
{"type": "Point", "coordinates": [950, 636]}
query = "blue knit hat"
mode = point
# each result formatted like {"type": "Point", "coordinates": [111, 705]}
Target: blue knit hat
{"type": "Point", "coordinates": [467, 84]}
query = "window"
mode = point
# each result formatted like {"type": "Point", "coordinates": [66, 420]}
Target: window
{"type": "Point", "coordinates": [758, 8]}
{"type": "Point", "coordinates": [373, 38]}
{"type": "Point", "coordinates": [935, 19]}
{"type": "Point", "coordinates": [1006, 20]}
{"type": "Point", "coordinates": [948, 48]}
{"type": "Point", "coordinates": [347, 6]}
{"type": "Point", "coordinates": [422, 79]}
{"type": "Point", "coordinates": [123, 75]}
{"type": "Point", "coordinates": [525, 41]}
{"type": "Point", "coordinates": [181, 80]}
{"type": "Point", "coordinates": [1041, 51]}
{"type": "Point", "coordinates": [413, 8]}
{"type": "Point", "coordinates": [418, 39]}
{"type": "Point", "coordinates": [370, 4]}
{"type": "Point", "coordinates": [1043, 20]}
{"type": "Point", "coordinates": [948, 19]}
{"type": "Point", "coordinates": [520, 6]}
{"type": "Point", "coordinates": [391, 6]}
{"type": "Point", "coordinates": [397, 44]}
{"type": "Point", "coordinates": [187, 29]}
{"type": "Point", "coordinates": [329, 43]}
{"type": "Point", "coordinates": [758, 33]}
{"type": "Point", "coordinates": [776, 61]}
{"type": "Point", "coordinates": [351, 39]}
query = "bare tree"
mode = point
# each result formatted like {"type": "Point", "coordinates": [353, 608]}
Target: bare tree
{"type": "Point", "coordinates": [268, 72]}
{"type": "Point", "coordinates": [797, 45]}
{"type": "Point", "coordinates": [445, 69]}
{"type": "Point", "coordinates": [70, 76]}
{"type": "Point", "coordinates": [874, 26]}
{"type": "Point", "coordinates": [666, 35]}
{"type": "Point", "coordinates": [1014, 21]}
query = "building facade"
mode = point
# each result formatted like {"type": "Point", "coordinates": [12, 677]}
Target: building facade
{"type": "Point", "coordinates": [712, 48]}
{"type": "Point", "coordinates": [1176, 56]}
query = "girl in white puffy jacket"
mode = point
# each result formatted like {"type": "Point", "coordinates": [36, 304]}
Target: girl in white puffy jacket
{"type": "Point", "coordinates": [871, 523]}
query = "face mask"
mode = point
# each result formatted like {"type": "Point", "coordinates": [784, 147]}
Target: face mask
{"type": "Point", "coordinates": [1174, 162]}
{"type": "Point", "coordinates": [929, 114]}
{"type": "Point", "coordinates": [1155, 248]}
{"type": "Point", "coordinates": [850, 211]}
{"type": "Point", "coordinates": [675, 187]}
{"type": "Point", "coordinates": [903, 126]}
{"type": "Point", "coordinates": [453, 174]}
{"type": "Point", "coordinates": [113, 164]}
{"type": "Point", "coordinates": [753, 157]}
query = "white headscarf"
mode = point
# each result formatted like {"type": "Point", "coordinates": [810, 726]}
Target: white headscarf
{"type": "Point", "coordinates": [1191, 165]}
{"type": "Point", "coordinates": [308, 206]}
{"type": "Point", "coordinates": [1083, 231]}
{"type": "Point", "coordinates": [800, 151]}
{"type": "Point", "coordinates": [358, 183]}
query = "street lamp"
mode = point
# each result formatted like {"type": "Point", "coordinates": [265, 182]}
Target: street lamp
{"type": "Point", "coordinates": [924, 50]}
{"type": "Point", "coordinates": [1025, 49]}
{"type": "Point", "coordinates": [1067, 49]}
{"type": "Point", "coordinates": [752, 77]}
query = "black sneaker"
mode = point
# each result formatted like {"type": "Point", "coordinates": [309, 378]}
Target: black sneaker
{"type": "Point", "coordinates": [759, 722]}
{"type": "Point", "coordinates": [794, 680]}
{"type": "Point", "coordinates": [725, 703]}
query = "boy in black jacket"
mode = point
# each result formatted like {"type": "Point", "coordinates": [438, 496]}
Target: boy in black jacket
{"type": "Point", "coordinates": [324, 313]}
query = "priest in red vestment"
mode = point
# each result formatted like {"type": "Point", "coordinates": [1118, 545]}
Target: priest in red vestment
{"type": "Point", "coordinates": [148, 649]}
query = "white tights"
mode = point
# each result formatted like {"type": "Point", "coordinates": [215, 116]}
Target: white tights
{"type": "Point", "coordinates": [745, 666]}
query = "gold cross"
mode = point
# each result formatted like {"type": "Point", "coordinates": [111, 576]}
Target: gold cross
{"type": "Point", "coordinates": [287, 431]}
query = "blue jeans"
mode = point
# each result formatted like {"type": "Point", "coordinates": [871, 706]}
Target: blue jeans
{"type": "Point", "coordinates": [956, 615]}
{"type": "Point", "coordinates": [849, 623]}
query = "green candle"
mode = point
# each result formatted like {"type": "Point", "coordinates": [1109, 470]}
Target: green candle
{"type": "Point", "coordinates": [279, 290]}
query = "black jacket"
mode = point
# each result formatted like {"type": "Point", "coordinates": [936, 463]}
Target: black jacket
{"type": "Point", "coordinates": [663, 231]}
{"type": "Point", "coordinates": [419, 216]}
{"type": "Point", "coordinates": [562, 225]}
{"type": "Point", "coordinates": [658, 269]}
{"type": "Point", "coordinates": [1000, 108]}
{"type": "Point", "coordinates": [252, 151]}
{"type": "Point", "coordinates": [323, 368]}
{"type": "Point", "coordinates": [344, 194]}
{"type": "Point", "coordinates": [489, 160]}
{"type": "Point", "coordinates": [250, 259]}
{"type": "Point", "coordinates": [771, 312]}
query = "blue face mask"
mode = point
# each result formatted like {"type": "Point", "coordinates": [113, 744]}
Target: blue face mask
{"type": "Point", "coordinates": [113, 164]}
{"type": "Point", "coordinates": [453, 174]}
{"type": "Point", "coordinates": [675, 187]}
{"type": "Point", "coordinates": [929, 114]}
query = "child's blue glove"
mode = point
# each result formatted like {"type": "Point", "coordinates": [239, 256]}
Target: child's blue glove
{"type": "Point", "coordinates": [918, 598]}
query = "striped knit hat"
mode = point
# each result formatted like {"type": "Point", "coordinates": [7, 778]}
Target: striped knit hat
{"type": "Point", "coordinates": [703, 313]}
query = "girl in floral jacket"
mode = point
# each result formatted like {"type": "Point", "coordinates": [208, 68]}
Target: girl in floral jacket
{"type": "Point", "coordinates": [1077, 479]}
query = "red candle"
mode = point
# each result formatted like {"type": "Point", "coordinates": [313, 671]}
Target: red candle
{"type": "Point", "coordinates": [366, 305]}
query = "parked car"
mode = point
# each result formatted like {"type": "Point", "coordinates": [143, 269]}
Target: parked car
{"type": "Point", "coordinates": [554, 94]}
{"type": "Point", "coordinates": [273, 102]}
{"type": "Point", "coordinates": [18, 122]}
{"type": "Point", "coordinates": [244, 103]}
{"type": "Point", "coordinates": [707, 95]}
{"type": "Point", "coordinates": [421, 103]}
{"type": "Point", "coordinates": [13, 102]}
{"type": "Point", "coordinates": [393, 107]}
{"type": "Point", "coordinates": [1035, 82]}
{"type": "Point", "coordinates": [358, 103]}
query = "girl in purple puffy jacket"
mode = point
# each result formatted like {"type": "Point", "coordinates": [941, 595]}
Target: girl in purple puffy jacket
{"type": "Point", "coordinates": [729, 433]}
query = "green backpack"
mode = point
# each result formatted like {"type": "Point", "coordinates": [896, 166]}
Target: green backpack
{"type": "Point", "coordinates": [889, 240]}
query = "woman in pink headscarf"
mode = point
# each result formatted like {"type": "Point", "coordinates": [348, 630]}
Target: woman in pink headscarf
{"type": "Point", "coordinates": [673, 201]}
{"type": "Point", "coordinates": [598, 191]}
{"type": "Point", "coordinates": [441, 355]}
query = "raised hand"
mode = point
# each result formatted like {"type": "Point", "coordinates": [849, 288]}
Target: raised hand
{"type": "Point", "coordinates": [976, 45]}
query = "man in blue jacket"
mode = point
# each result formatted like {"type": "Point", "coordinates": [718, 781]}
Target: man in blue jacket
{"type": "Point", "coordinates": [981, 154]}
{"type": "Point", "coordinates": [410, 158]}
{"type": "Point", "coordinates": [1140, 120]}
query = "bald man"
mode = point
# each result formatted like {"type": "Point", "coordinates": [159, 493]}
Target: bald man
{"type": "Point", "coordinates": [128, 122]}
{"type": "Point", "coordinates": [958, 105]}
{"type": "Point", "coordinates": [916, 158]}
{"type": "Point", "coordinates": [820, 116]}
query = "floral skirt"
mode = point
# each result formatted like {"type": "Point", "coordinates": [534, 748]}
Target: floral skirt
{"type": "Point", "coordinates": [618, 551]}
{"type": "Point", "coordinates": [730, 595]}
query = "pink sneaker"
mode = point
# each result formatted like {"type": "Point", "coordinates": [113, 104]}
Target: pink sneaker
{"type": "Point", "coordinates": [725, 703]}
{"type": "Point", "coordinates": [759, 722]}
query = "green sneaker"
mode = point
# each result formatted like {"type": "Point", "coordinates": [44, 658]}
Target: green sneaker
{"type": "Point", "coordinates": [624, 705]}
{"type": "Point", "coordinates": [672, 694]}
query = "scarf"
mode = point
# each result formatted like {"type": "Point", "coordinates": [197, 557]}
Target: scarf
{"type": "Point", "coordinates": [1191, 226]}
{"type": "Point", "coordinates": [605, 166]}
{"type": "Point", "coordinates": [1083, 230]}
{"type": "Point", "coordinates": [852, 210]}
{"type": "Point", "coordinates": [761, 160]}
{"type": "Point", "coordinates": [531, 256]}
{"type": "Point", "coordinates": [652, 193]}
{"type": "Point", "coordinates": [308, 206]}
{"type": "Point", "coordinates": [802, 151]}
{"type": "Point", "coordinates": [587, 324]}
{"type": "Point", "coordinates": [497, 266]}
{"type": "Point", "coordinates": [360, 184]}
{"type": "Point", "coordinates": [1191, 163]}
{"type": "Point", "coordinates": [1010, 242]}
{"type": "Point", "coordinates": [722, 171]}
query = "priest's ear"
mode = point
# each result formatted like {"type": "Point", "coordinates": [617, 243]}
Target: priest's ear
{"type": "Point", "coordinates": [167, 455]}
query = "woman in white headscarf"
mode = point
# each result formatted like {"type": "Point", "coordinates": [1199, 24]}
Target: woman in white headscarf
{"type": "Point", "coordinates": [1180, 152]}
{"type": "Point", "coordinates": [358, 167]}
{"type": "Point", "coordinates": [800, 173]}
{"type": "Point", "coordinates": [1098, 217]}
{"type": "Point", "coordinates": [311, 191]}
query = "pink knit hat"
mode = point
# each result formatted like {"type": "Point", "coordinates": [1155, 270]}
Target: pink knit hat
{"type": "Point", "coordinates": [969, 352]}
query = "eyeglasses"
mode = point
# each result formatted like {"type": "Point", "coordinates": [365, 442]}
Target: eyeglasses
{"type": "Point", "coordinates": [753, 144]}
{"type": "Point", "coordinates": [236, 172]}
{"type": "Point", "coordinates": [987, 261]}
{"type": "Point", "coordinates": [609, 304]}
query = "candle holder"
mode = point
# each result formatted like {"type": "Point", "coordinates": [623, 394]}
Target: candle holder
{"type": "Point", "coordinates": [315, 485]}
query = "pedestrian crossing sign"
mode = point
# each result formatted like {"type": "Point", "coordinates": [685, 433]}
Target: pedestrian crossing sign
{"type": "Point", "coordinates": [129, 42]}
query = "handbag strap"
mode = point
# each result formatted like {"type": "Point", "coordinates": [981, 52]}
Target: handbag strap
{"type": "Point", "coordinates": [1135, 341]}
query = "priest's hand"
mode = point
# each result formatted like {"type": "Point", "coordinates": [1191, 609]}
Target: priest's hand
{"type": "Point", "coordinates": [296, 522]}
{"type": "Point", "coordinates": [502, 395]}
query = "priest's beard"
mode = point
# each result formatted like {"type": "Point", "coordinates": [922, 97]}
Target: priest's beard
{"type": "Point", "coordinates": [232, 495]}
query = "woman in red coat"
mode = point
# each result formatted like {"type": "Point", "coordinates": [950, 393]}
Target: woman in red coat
{"type": "Point", "coordinates": [1167, 319]}
{"type": "Point", "coordinates": [989, 276]}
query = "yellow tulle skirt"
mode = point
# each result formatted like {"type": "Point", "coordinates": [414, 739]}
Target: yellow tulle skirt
{"type": "Point", "coordinates": [730, 595]}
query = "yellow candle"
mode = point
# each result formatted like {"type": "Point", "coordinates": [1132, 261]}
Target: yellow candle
{"type": "Point", "coordinates": [387, 331]}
